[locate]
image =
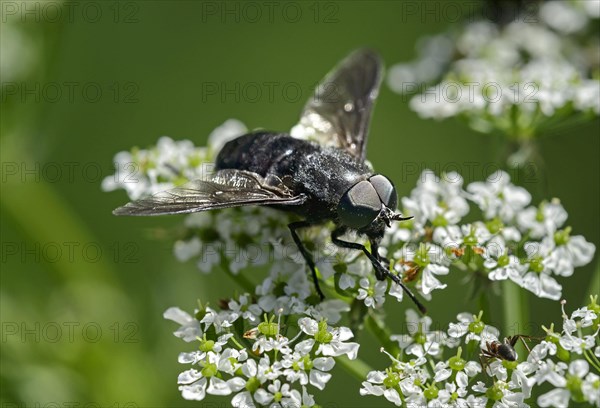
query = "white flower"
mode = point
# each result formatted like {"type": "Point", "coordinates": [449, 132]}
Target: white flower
{"type": "Point", "coordinates": [205, 347]}
{"type": "Point", "coordinates": [231, 360]}
{"type": "Point", "coordinates": [470, 368]}
{"type": "Point", "coordinates": [127, 176]}
{"type": "Point", "coordinates": [560, 396]}
{"type": "Point", "coordinates": [186, 250]}
{"type": "Point", "coordinates": [542, 285]}
{"type": "Point", "coordinates": [587, 96]}
{"type": "Point", "coordinates": [434, 53]}
{"type": "Point", "coordinates": [146, 172]}
{"type": "Point", "coordinates": [195, 391]}
{"type": "Point", "coordinates": [245, 309]}
{"type": "Point", "coordinates": [396, 291]}
{"type": "Point", "coordinates": [200, 220]}
{"type": "Point", "coordinates": [220, 320]}
{"type": "Point", "coordinates": [196, 384]}
{"type": "Point", "coordinates": [329, 309]}
{"type": "Point", "coordinates": [496, 369]}
{"type": "Point", "coordinates": [298, 366]}
{"type": "Point", "coordinates": [519, 379]}
{"type": "Point", "coordinates": [209, 259]}
{"type": "Point", "coordinates": [454, 392]}
{"type": "Point", "coordinates": [355, 269]}
{"type": "Point", "coordinates": [429, 282]}
{"type": "Point", "coordinates": [473, 328]}
{"type": "Point", "coordinates": [497, 197]}
{"type": "Point", "coordinates": [331, 341]}
{"type": "Point", "coordinates": [430, 342]}
{"type": "Point", "coordinates": [307, 399]}
{"type": "Point", "coordinates": [243, 400]}
{"type": "Point", "coordinates": [504, 392]}
{"type": "Point", "coordinates": [429, 260]}
{"type": "Point", "coordinates": [575, 342]}
{"type": "Point", "coordinates": [451, 236]}
{"type": "Point", "coordinates": [296, 287]}
{"type": "Point", "coordinates": [543, 221]}
{"type": "Point", "coordinates": [264, 344]}
{"type": "Point", "coordinates": [488, 76]}
{"type": "Point", "coordinates": [441, 101]}
{"type": "Point", "coordinates": [538, 279]}
{"type": "Point", "coordinates": [563, 16]}
{"type": "Point", "coordinates": [437, 199]}
{"type": "Point", "coordinates": [563, 258]}
{"type": "Point", "coordinates": [255, 373]}
{"type": "Point", "coordinates": [540, 351]}
{"type": "Point", "coordinates": [190, 327]}
{"type": "Point", "coordinates": [551, 372]}
{"type": "Point", "coordinates": [374, 386]}
{"type": "Point", "coordinates": [286, 396]}
{"type": "Point", "coordinates": [373, 297]}
{"type": "Point", "coordinates": [513, 270]}
{"type": "Point", "coordinates": [580, 318]}
{"type": "Point", "coordinates": [591, 389]}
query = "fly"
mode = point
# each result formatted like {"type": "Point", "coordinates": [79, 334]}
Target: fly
{"type": "Point", "coordinates": [321, 182]}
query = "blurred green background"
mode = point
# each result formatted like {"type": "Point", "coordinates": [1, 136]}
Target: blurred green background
{"type": "Point", "coordinates": [83, 292]}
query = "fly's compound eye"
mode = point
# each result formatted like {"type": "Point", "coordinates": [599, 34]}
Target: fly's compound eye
{"type": "Point", "coordinates": [359, 206]}
{"type": "Point", "coordinates": [386, 190]}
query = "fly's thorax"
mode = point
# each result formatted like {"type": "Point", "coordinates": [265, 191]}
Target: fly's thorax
{"type": "Point", "coordinates": [367, 202]}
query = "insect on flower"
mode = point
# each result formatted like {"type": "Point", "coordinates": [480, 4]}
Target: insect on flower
{"type": "Point", "coordinates": [320, 182]}
{"type": "Point", "coordinates": [502, 350]}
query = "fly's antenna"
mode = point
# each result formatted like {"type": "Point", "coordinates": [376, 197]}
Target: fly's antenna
{"type": "Point", "coordinates": [399, 217]}
{"type": "Point", "coordinates": [389, 215]}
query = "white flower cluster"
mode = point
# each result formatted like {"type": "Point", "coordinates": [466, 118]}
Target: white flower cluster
{"type": "Point", "coordinates": [513, 240]}
{"type": "Point", "coordinates": [564, 360]}
{"type": "Point", "coordinates": [142, 172]}
{"type": "Point", "coordinates": [514, 77]}
{"type": "Point", "coordinates": [257, 363]}
{"type": "Point", "coordinates": [260, 362]}
{"type": "Point", "coordinates": [427, 372]}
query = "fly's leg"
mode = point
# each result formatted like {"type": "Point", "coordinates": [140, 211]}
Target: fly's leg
{"type": "Point", "coordinates": [380, 270]}
{"type": "Point", "coordinates": [305, 254]}
{"type": "Point", "coordinates": [384, 261]}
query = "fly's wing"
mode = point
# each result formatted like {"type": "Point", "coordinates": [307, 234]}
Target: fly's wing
{"type": "Point", "coordinates": [338, 113]}
{"type": "Point", "coordinates": [226, 188]}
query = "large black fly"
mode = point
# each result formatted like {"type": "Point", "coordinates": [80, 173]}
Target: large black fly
{"type": "Point", "coordinates": [320, 182]}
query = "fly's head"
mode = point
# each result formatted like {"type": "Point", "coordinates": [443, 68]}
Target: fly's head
{"type": "Point", "coordinates": [369, 206]}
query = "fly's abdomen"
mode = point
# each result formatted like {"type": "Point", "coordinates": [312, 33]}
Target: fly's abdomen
{"type": "Point", "coordinates": [260, 152]}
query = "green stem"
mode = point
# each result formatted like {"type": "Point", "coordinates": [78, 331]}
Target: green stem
{"type": "Point", "coordinates": [593, 286]}
{"type": "Point", "coordinates": [593, 357]}
{"type": "Point", "coordinates": [357, 367]}
{"type": "Point", "coordinates": [588, 356]}
{"type": "Point", "coordinates": [515, 311]}
{"type": "Point", "coordinates": [378, 328]}
{"type": "Point", "coordinates": [484, 306]}
{"type": "Point", "coordinates": [237, 343]}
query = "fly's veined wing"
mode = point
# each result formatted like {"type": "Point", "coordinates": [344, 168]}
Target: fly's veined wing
{"type": "Point", "coordinates": [226, 188]}
{"type": "Point", "coordinates": [338, 113]}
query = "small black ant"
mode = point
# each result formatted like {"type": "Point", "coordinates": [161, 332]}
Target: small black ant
{"type": "Point", "coordinates": [502, 350]}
